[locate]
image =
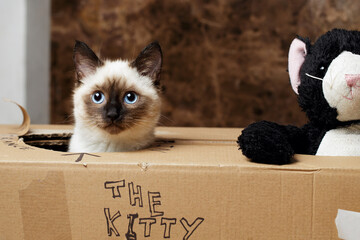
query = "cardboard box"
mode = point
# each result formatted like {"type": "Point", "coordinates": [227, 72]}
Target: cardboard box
{"type": "Point", "coordinates": [192, 184]}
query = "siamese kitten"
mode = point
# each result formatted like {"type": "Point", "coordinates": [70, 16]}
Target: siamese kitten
{"type": "Point", "coordinates": [116, 103]}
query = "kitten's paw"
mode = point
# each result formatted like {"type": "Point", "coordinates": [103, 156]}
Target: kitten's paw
{"type": "Point", "coordinates": [265, 142]}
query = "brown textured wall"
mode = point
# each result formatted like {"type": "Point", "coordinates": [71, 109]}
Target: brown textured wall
{"type": "Point", "coordinates": [224, 61]}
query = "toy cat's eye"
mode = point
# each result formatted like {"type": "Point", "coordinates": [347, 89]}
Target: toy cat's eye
{"type": "Point", "coordinates": [98, 97]}
{"type": "Point", "coordinates": [130, 98]}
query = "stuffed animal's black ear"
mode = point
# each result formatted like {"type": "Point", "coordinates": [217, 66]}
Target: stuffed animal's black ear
{"type": "Point", "coordinates": [297, 53]}
{"type": "Point", "coordinates": [149, 62]}
{"type": "Point", "coordinates": [85, 61]}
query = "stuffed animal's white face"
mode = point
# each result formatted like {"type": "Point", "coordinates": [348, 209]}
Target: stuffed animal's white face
{"type": "Point", "coordinates": [341, 86]}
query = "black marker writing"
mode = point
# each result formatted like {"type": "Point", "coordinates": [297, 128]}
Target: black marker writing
{"type": "Point", "coordinates": [156, 215]}
{"type": "Point", "coordinates": [148, 222]}
{"type": "Point", "coordinates": [190, 228]}
{"type": "Point", "coordinates": [153, 203]}
{"type": "Point", "coordinates": [135, 195]}
{"type": "Point", "coordinates": [168, 222]}
{"type": "Point", "coordinates": [81, 155]}
{"type": "Point", "coordinates": [115, 187]}
{"type": "Point", "coordinates": [131, 235]}
{"type": "Point", "coordinates": [110, 222]}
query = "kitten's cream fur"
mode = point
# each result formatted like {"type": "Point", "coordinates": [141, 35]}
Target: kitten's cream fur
{"type": "Point", "coordinates": [88, 136]}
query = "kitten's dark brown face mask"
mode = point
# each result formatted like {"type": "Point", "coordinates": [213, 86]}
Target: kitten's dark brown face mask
{"type": "Point", "coordinates": [114, 108]}
{"type": "Point", "coordinates": [113, 104]}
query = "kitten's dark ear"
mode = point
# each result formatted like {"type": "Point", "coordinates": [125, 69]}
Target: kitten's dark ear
{"type": "Point", "coordinates": [85, 61]}
{"type": "Point", "coordinates": [149, 62]}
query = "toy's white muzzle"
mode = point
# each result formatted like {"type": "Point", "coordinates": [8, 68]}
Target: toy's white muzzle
{"type": "Point", "coordinates": [341, 86]}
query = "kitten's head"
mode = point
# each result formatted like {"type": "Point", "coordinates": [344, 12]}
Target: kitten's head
{"type": "Point", "coordinates": [115, 96]}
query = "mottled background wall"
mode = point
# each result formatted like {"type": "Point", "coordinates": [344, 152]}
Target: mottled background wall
{"type": "Point", "coordinates": [225, 61]}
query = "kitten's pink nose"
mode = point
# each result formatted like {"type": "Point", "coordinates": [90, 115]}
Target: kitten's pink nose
{"type": "Point", "coordinates": [352, 80]}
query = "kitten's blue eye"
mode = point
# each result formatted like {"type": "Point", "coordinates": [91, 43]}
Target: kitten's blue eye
{"type": "Point", "coordinates": [130, 98]}
{"type": "Point", "coordinates": [98, 97]}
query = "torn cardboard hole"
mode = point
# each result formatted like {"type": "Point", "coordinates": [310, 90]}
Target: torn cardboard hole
{"type": "Point", "coordinates": [60, 142]}
{"type": "Point", "coordinates": [52, 141]}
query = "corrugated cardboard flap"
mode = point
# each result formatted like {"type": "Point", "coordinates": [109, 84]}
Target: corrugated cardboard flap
{"type": "Point", "coordinates": [174, 146]}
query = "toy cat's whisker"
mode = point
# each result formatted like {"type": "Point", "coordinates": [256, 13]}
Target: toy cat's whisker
{"type": "Point", "coordinates": [317, 78]}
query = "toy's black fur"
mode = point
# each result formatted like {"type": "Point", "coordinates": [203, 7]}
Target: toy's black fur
{"type": "Point", "coordinates": [268, 142]}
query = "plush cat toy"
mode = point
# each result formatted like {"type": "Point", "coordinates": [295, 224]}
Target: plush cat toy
{"type": "Point", "coordinates": [326, 78]}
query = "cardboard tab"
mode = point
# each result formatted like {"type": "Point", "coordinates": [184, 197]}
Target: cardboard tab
{"type": "Point", "coordinates": [18, 130]}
